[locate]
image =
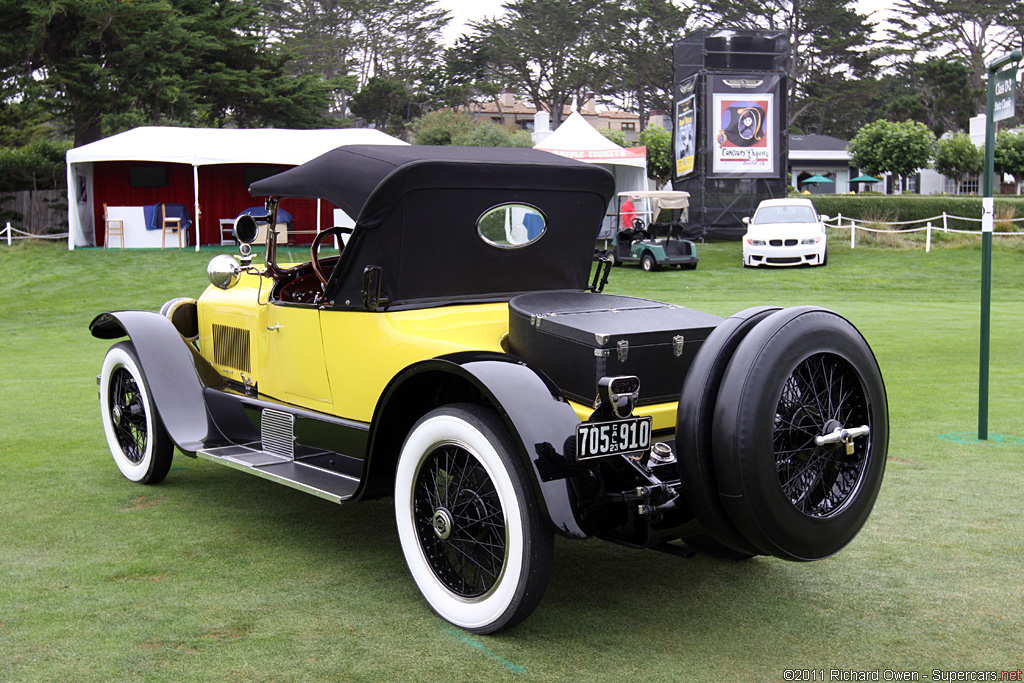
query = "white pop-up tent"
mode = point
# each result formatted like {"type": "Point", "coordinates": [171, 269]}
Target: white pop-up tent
{"type": "Point", "coordinates": [196, 148]}
{"type": "Point", "coordinates": [577, 139]}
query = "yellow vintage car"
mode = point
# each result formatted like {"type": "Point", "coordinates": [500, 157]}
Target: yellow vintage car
{"type": "Point", "coordinates": [458, 354]}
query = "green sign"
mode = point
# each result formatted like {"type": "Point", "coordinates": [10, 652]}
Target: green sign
{"type": "Point", "coordinates": [1005, 83]}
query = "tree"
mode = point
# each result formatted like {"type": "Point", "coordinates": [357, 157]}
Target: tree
{"type": "Point", "coordinates": [1009, 154]}
{"type": "Point", "coordinates": [99, 64]}
{"type": "Point", "coordinates": [936, 92]}
{"type": "Point", "coordinates": [660, 161]}
{"type": "Point", "coordinates": [898, 148]}
{"type": "Point", "coordinates": [320, 35]}
{"type": "Point", "coordinates": [551, 50]}
{"type": "Point", "coordinates": [973, 30]}
{"type": "Point", "coordinates": [399, 39]}
{"type": "Point", "coordinates": [641, 55]}
{"type": "Point", "coordinates": [446, 127]}
{"type": "Point", "coordinates": [440, 127]}
{"type": "Point", "coordinates": [616, 136]}
{"type": "Point", "coordinates": [489, 134]}
{"type": "Point", "coordinates": [827, 42]}
{"type": "Point", "coordinates": [957, 157]}
{"type": "Point", "coordinates": [386, 104]}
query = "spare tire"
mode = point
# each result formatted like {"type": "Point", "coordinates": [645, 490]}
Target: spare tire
{"type": "Point", "coordinates": [694, 423]}
{"type": "Point", "coordinates": [802, 374]}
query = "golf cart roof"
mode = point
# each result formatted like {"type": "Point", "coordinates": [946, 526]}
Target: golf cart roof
{"type": "Point", "coordinates": [662, 199]}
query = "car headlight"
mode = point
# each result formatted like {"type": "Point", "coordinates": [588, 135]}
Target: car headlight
{"type": "Point", "coordinates": [810, 240]}
{"type": "Point", "coordinates": [755, 243]}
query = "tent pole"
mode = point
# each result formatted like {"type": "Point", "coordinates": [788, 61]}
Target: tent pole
{"type": "Point", "coordinates": [195, 188]}
{"type": "Point", "coordinates": [72, 207]}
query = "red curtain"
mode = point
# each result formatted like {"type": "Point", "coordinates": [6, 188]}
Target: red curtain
{"type": "Point", "coordinates": [222, 194]}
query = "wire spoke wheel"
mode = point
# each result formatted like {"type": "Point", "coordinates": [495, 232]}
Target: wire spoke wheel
{"type": "Point", "coordinates": [459, 521]}
{"type": "Point", "coordinates": [800, 434]}
{"type": "Point", "coordinates": [128, 415]}
{"type": "Point", "coordinates": [138, 441]}
{"type": "Point", "coordinates": [821, 395]}
{"type": "Point", "coordinates": [471, 529]}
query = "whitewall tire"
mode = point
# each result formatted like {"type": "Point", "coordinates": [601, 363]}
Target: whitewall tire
{"type": "Point", "coordinates": [137, 439]}
{"type": "Point", "coordinates": [471, 530]}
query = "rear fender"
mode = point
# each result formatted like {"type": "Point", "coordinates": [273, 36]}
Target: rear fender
{"type": "Point", "coordinates": [536, 414]}
{"type": "Point", "coordinates": [174, 370]}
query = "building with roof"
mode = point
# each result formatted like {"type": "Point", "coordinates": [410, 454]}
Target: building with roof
{"type": "Point", "coordinates": [823, 155]}
{"type": "Point", "coordinates": [507, 110]}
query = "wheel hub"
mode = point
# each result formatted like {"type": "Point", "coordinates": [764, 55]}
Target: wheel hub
{"type": "Point", "coordinates": [442, 523]}
{"type": "Point", "coordinates": [116, 416]}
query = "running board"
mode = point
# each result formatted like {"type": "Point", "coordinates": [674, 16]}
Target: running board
{"type": "Point", "coordinates": [320, 482]}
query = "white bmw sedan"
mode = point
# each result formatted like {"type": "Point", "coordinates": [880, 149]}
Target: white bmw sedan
{"type": "Point", "coordinates": [785, 232]}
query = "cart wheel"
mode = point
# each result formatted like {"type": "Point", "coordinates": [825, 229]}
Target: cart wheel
{"type": "Point", "coordinates": [694, 417]}
{"type": "Point", "coordinates": [647, 262]}
{"type": "Point", "coordinates": [471, 530]}
{"type": "Point", "coordinates": [800, 377]}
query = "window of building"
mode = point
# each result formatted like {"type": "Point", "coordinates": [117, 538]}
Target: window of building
{"type": "Point", "coordinates": [628, 125]}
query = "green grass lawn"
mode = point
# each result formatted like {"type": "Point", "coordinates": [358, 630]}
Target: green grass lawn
{"type": "Point", "coordinates": [214, 575]}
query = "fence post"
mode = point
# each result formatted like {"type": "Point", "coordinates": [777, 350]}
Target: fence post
{"type": "Point", "coordinates": [945, 222]}
{"type": "Point", "coordinates": [928, 238]}
{"type": "Point", "coordinates": [8, 231]}
{"type": "Point", "coordinates": [839, 219]}
{"type": "Point", "coordinates": [853, 234]}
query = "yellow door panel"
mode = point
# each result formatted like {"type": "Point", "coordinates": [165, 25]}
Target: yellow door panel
{"type": "Point", "coordinates": [293, 368]}
{"type": "Point", "coordinates": [363, 350]}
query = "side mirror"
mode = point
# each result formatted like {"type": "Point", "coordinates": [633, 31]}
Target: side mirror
{"type": "Point", "coordinates": [822, 217]}
{"type": "Point", "coordinates": [746, 220]}
{"type": "Point", "coordinates": [246, 229]}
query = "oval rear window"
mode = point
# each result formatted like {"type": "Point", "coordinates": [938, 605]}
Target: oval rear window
{"type": "Point", "coordinates": [511, 226]}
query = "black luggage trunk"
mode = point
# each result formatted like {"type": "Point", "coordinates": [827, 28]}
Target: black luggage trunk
{"type": "Point", "coordinates": [576, 338]}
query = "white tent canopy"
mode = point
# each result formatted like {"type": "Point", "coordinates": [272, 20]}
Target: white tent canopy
{"type": "Point", "coordinates": [577, 139]}
{"type": "Point", "coordinates": [198, 147]}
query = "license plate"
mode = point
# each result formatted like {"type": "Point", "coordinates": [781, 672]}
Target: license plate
{"type": "Point", "coordinates": [601, 439]}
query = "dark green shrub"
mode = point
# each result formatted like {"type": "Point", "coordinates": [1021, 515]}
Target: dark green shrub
{"type": "Point", "coordinates": [913, 208]}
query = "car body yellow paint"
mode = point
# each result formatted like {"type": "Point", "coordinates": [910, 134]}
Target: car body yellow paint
{"type": "Point", "coordinates": [340, 362]}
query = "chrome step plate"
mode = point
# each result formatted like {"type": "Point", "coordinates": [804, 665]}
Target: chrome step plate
{"type": "Point", "coordinates": [320, 482]}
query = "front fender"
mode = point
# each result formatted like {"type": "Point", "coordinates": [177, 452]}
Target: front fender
{"type": "Point", "coordinates": [175, 372]}
{"type": "Point", "coordinates": [537, 416]}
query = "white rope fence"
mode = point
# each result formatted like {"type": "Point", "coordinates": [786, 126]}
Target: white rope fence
{"type": "Point", "coordinates": [855, 224]}
{"type": "Point", "coordinates": [8, 234]}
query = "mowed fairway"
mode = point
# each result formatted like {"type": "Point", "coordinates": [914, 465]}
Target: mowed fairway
{"type": "Point", "coordinates": [215, 575]}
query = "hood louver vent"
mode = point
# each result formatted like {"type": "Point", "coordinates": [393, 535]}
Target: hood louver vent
{"type": "Point", "coordinates": [231, 347]}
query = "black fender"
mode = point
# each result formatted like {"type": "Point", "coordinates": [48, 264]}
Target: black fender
{"type": "Point", "coordinates": [174, 371]}
{"type": "Point", "coordinates": [538, 417]}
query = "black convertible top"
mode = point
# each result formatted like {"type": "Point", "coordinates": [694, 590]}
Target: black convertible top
{"type": "Point", "coordinates": [417, 209]}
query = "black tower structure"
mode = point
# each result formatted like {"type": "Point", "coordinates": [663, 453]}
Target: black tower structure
{"type": "Point", "coordinates": [729, 121]}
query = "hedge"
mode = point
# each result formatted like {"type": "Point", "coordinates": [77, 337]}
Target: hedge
{"type": "Point", "coordinates": [897, 208]}
{"type": "Point", "coordinates": [38, 165]}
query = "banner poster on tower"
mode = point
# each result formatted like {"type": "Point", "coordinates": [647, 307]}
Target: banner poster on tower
{"type": "Point", "coordinates": [745, 125]}
{"type": "Point", "coordinates": [686, 128]}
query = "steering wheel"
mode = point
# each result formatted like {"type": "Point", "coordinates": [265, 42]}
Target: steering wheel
{"type": "Point", "coordinates": [313, 248]}
{"type": "Point", "coordinates": [638, 224]}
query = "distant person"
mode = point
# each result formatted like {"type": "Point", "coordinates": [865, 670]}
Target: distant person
{"type": "Point", "coordinates": [628, 213]}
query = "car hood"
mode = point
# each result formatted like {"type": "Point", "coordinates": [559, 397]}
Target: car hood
{"type": "Point", "coordinates": [787, 229]}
